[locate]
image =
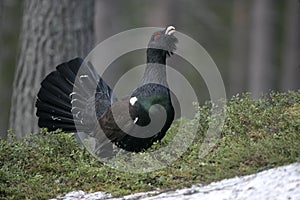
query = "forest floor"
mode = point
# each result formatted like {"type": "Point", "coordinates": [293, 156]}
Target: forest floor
{"type": "Point", "coordinates": [258, 134]}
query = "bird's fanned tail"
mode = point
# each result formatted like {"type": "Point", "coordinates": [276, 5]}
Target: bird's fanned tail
{"type": "Point", "coordinates": [64, 101]}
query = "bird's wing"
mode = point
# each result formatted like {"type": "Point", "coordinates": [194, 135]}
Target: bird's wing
{"type": "Point", "coordinates": [116, 121]}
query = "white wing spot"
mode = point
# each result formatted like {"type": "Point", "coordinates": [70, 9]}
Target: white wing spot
{"type": "Point", "coordinates": [135, 120]}
{"type": "Point", "coordinates": [133, 100]}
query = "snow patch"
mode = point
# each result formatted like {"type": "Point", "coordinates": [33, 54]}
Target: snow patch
{"type": "Point", "coordinates": [276, 184]}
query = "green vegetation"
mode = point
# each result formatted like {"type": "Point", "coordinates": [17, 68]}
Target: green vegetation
{"type": "Point", "coordinates": [257, 135]}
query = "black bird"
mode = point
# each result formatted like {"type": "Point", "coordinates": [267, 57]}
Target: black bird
{"type": "Point", "coordinates": [132, 123]}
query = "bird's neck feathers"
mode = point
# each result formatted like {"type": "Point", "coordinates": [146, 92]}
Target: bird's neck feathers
{"type": "Point", "coordinates": [155, 71]}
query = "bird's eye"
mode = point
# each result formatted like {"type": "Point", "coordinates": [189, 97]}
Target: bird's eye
{"type": "Point", "coordinates": [156, 35]}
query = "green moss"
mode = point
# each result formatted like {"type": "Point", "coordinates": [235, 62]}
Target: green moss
{"type": "Point", "coordinates": [257, 135]}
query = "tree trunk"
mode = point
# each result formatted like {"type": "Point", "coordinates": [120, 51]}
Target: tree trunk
{"type": "Point", "coordinates": [52, 32]}
{"type": "Point", "coordinates": [290, 79]}
{"type": "Point", "coordinates": [261, 75]}
{"type": "Point", "coordinates": [10, 18]}
{"type": "Point", "coordinates": [239, 62]}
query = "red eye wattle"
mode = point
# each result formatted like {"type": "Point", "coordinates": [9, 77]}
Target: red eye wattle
{"type": "Point", "coordinates": [156, 35]}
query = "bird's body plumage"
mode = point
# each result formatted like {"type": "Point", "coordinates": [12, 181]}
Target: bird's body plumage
{"type": "Point", "coordinates": [73, 105]}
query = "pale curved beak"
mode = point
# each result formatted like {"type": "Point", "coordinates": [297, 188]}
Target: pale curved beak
{"type": "Point", "coordinates": [170, 30]}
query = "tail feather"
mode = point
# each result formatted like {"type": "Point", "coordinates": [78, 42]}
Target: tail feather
{"type": "Point", "coordinates": [77, 103]}
{"type": "Point", "coordinates": [46, 96]}
{"type": "Point", "coordinates": [60, 119]}
{"type": "Point", "coordinates": [67, 70]}
{"type": "Point", "coordinates": [93, 73]}
{"type": "Point", "coordinates": [63, 99]}
{"type": "Point", "coordinates": [58, 80]}
{"type": "Point", "coordinates": [51, 126]}
{"type": "Point", "coordinates": [75, 64]}
{"type": "Point", "coordinates": [45, 107]}
{"type": "Point", "coordinates": [55, 90]}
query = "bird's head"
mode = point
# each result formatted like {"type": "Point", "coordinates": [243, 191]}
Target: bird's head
{"type": "Point", "coordinates": [162, 44]}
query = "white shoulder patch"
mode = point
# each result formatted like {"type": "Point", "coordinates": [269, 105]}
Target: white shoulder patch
{"type": "Point", "coordinates": [135, 120]}
{"type": "Point", "coordinates": [133, 100]}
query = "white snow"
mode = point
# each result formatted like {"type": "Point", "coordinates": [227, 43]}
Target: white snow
{"type": "Point", "coordinates": [281, 183]}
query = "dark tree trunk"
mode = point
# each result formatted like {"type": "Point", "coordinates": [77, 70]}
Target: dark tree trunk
{"type": "Point", "coordinates": [290, 79]}
{"type": "Point", "coordinates": [52, 32]}
{"type": "Point", "coordinates": [10, 17]}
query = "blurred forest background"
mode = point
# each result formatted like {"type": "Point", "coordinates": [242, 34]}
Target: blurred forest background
{"type": "Point", "coordinates": [255, 43]}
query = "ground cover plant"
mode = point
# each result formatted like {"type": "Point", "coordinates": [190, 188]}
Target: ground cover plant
{"type": "Point", "coordinates": [258, 134]}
